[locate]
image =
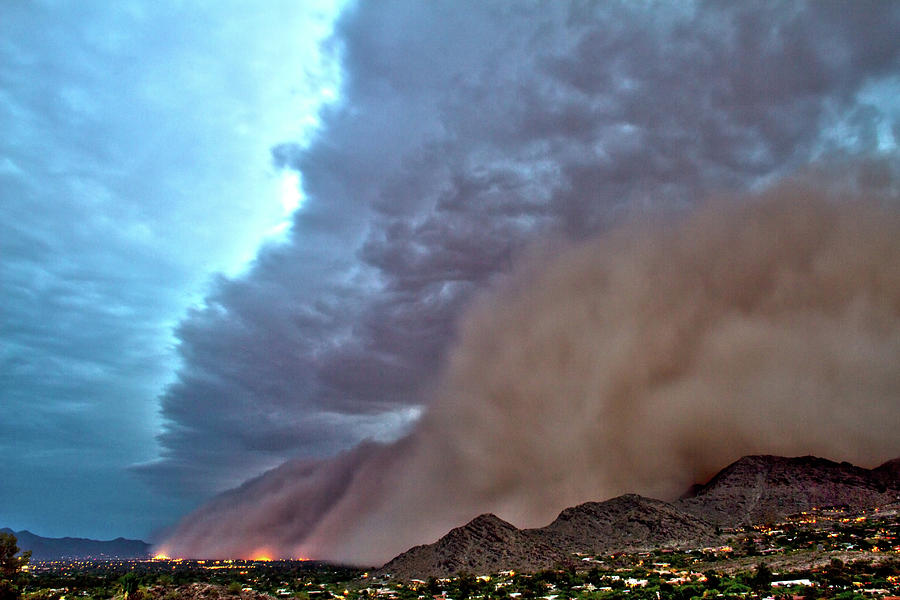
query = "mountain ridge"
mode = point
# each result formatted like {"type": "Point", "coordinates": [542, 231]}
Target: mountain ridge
{"type": "Point", "coordinates": [629, 521]}
{"type": "Point", "coordinates": [753, 488]}
{"type": "Point", "coordinates": [45, 548]}
{"type": "Point", "coordinates": [479, 544]}
{"type": "Point", "coordinates": [758, 488]}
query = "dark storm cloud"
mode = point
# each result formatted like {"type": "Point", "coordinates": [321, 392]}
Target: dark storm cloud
{"type": "Point", "coordinates": [463, 134]}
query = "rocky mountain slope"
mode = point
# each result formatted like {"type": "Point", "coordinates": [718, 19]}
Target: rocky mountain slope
{"type": "Point", "coordinates": [756, 489]}
{"type": "Point", "coordinates": [485, 544]}
{"type": "Point", "coordinates": [753, 489]}
{"type": "Point", "coordinates": [627, 522]}
{"type": "Point", "coordinates": [489, 544]}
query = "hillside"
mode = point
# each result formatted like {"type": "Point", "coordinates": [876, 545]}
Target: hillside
{"type": "Point", "coordinates": [625, 522]}
{"type": "Point", "coordinates": [757, 489]}
{"type": "Point", "coordinates": [489, 544]}
{"type": "Point", "coordinates": [485, 544]}
{"type": "Point", "coordinates": [754, 489]}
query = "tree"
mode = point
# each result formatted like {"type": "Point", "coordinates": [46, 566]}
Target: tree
{"type": "Point", "coordinates": [466, 584]}
{"type": "Point", "coordinates": [10, 566]}
{"type": "Point", "coordinates": [130, 585]}
{"type": "Point", "coordinates": [434, 587]}
{"type": "Point", "coordinates": [762, 579]}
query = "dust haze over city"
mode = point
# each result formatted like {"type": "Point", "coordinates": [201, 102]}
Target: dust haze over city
{"type": "Point", "coordinates": [450, 258]}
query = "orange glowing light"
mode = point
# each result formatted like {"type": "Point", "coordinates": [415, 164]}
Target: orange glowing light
{"type": "Point", "coordinates": [161, 557]}
{"type": "Point", "coordinates": [262, 555]}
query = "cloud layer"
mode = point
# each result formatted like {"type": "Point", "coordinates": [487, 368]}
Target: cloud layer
{"type": "Point", "coordinates": [639, 361]}
{"type": "Point", "coordinates": [462, 135]}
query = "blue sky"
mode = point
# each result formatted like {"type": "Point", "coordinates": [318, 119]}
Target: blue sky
{"type": "Point", "coordinates": [236, 233]}
{"type": "Point", "coordinates": [135, 167]}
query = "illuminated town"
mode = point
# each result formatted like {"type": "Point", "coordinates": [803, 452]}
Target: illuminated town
{"type": "Point", "coordinates": [821, 553]}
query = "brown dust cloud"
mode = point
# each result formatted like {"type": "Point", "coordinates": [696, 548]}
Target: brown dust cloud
{"type": "Point", "coordinates": [642, 360]}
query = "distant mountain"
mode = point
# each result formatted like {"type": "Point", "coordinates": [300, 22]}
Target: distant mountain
{"type": "Point", "coordinates": [756, 489]}
{"type": "Point", "coordinates": [43, 548]}
{"type": "Point", "coordinates": [750, 490]}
